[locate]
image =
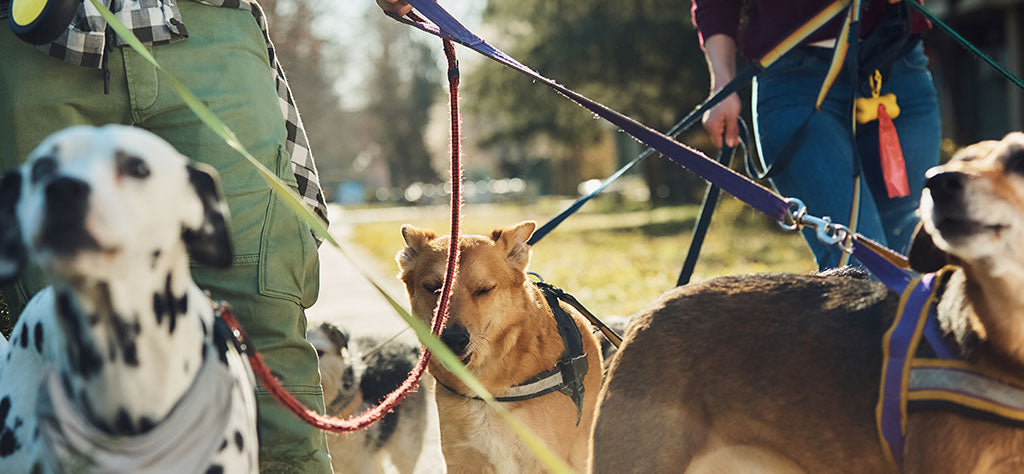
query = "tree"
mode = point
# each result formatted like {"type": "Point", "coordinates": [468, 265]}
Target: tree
{"type": "Point", "coordinates": [403, 84]}
{"type": "Point", "coordinates": [640, 57]}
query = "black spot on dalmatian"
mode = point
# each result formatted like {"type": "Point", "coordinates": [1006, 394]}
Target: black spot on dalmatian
{"type": "Point", "coordinates": [123, 423]}
{"type": "Point", "coordinates": [82, 354]}
{"type": "Point", "coordinates": [166, 304]}
{"type": "Point", "coordinates": [124, 341]}
{"type": "Point", "coordinates": [223, 444]}
{"type": "Point", "coordinates": [39, 337]}
{"type": "Point", "coordinates": [156, 257]}
{"type": "Point", "coordinates": [239, 441]}
{"type": "Point", "coordinates": [146, 425]}
{"type": "Point", "coordinates": [36, 468]}
{"type": "Point", "coordinates": [215, 469]}
{"type": "Point", "coordinates": [8, 441]}
{"type": "Point", "coordinates": [23, 337]}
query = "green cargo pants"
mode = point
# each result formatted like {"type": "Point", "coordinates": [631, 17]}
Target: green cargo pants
{"type": "Point", "coordinates": [275, 273]}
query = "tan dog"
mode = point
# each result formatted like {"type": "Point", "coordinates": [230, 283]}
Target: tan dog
{"type": "Point", "coordinates": [505, 332]}
{"type": "Point", "coordinates": [780, 373]}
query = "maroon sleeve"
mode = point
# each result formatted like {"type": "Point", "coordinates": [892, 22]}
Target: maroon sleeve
{"type": "Point", "coordinates": [712, 17]}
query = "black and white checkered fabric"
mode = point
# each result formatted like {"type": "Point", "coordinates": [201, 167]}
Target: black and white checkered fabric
{"type": "Point", "coordinates": [157, 22]}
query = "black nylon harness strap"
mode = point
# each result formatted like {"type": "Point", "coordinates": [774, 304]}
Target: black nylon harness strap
{"type": "Point", "coordinates": [568, 373]}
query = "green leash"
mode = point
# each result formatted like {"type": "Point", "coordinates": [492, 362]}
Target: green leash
{"type": "Point", "coordinates": [966, 44]}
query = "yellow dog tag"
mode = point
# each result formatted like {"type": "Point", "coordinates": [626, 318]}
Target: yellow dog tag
{"type": "Point", "coordinates": [866, 108]}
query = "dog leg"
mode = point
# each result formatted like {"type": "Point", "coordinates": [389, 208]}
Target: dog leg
{"type": "Point", "coordinates": [407, 443]}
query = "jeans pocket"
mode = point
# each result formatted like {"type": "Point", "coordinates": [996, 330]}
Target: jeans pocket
{"type": "Point", "coordinates": [288, 265]}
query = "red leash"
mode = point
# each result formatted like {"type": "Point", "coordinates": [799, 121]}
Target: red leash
{"type": "Point", "coordinates": [373, 414]}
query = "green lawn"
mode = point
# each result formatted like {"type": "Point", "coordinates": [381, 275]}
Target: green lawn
{"type": "Point", "coordinates": [616, 260]}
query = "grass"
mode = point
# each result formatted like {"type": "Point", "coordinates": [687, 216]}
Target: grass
{"type": "Point", "coordinates": [616, 258]}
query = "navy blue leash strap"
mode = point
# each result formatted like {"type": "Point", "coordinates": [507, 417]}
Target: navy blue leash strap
{"type": "Point", "coordinates": [734, 183]}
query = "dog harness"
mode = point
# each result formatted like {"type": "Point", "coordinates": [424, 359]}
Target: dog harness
{"type": "Point", "coordinates": [184, 441]}
{"type": "Point", "coordinates": [933, 376]}
{"type": "Point", "coordinates": [567, 375]}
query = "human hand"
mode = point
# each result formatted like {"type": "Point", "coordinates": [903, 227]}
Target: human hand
{"type": "Point", "coordinates": [722, 119]}
{"type": "Point", "coordinates": [397, 7]}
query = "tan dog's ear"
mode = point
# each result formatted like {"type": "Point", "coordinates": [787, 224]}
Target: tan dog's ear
{"type": "Point", "coordinates": [924, 256]}
{"type": "Point", "coordinates": [416, 241]}
{"type": "Point", "coordinates": [513, 241]}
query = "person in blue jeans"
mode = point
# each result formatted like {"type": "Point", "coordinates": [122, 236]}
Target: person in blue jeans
{"type": "Point", "coordinates": [822, 165]}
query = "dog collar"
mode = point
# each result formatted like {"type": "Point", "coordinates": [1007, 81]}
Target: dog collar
{"type": "Point", "coordinates": [919, 377]}
{"type": "Point", "coordinates": [184, 441]}
{"type": "Point", "coordinates": [567, 375]}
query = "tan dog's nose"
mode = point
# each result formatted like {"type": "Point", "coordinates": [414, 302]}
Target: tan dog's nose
{"type": "Point", "coordinates": [456, 338]}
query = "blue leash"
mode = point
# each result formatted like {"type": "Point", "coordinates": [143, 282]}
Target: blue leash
{"type": "Point", "coordinates": [707, 209]}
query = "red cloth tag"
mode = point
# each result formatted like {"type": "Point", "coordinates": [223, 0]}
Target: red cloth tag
{"type": "Point", "coordinates": [894, 169]}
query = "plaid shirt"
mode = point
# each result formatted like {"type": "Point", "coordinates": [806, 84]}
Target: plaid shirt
{"type": "Point", "coordinates": [158, 22]}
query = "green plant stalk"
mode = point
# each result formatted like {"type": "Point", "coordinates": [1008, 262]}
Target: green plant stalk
{"type": "Point", "coordinates": [550, 460]}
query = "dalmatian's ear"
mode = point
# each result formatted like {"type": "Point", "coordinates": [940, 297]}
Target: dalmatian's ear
{"type": "Point", "coordinates": [209, 243]}
{"type": "Point", "coordinates": [12, 249]}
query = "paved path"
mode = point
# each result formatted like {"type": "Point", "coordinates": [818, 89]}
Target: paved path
{"type": "Point", "coordinates": [345, 295]}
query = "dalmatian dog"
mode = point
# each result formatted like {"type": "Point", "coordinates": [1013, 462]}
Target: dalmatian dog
{"type": "Point", "coordinates": [121, 366]}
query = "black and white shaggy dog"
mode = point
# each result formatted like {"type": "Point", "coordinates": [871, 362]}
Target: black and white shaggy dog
{"type": "Point", "coordinates": [120, 365]}
{"type": "Point", "coordinates": [356, 375]}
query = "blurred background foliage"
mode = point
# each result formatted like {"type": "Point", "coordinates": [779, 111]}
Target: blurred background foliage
{"type": "Point", "coordinates": [373, 97]}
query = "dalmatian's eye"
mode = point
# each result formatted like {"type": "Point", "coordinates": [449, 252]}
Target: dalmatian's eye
{"type": "Point", "coordinates": [42, 168]}
{"type": "Point", "coordinates": [319, 353]}
{"type": "Point", "coordinates": [133, 166]}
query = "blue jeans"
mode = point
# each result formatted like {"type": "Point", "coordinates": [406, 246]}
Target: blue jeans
{"type": "Point", "coordinates": [821, 169]}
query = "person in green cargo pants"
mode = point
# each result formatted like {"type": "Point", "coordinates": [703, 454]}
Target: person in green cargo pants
{"type": "Point", "coordinates": [221, 51]}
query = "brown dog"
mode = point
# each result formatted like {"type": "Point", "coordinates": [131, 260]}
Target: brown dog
{"type": "Point", "coordinates": [780, 373]}
{"type": "Point", "coordinates": [503, 329]}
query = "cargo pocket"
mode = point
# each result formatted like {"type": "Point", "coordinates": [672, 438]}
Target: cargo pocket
{"type": "Point", "coordinates": [288, 266]}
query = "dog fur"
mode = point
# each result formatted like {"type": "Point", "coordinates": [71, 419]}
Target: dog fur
{"type": "Point", "coordinates": [780, 373]}
{"type": "Point", "coordinates": [504, 331]}
{"type": "Point", "coordinates": [354, 379]}
{"type": "Point", "coordinates": [112, 215]}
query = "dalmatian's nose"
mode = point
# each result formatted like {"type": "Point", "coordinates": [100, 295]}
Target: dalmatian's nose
{"type": "Point", "coordinates": [66, 190]}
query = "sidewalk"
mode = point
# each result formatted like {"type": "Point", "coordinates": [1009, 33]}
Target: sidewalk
{"type": "Point", "coordinates": [346, 298]}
